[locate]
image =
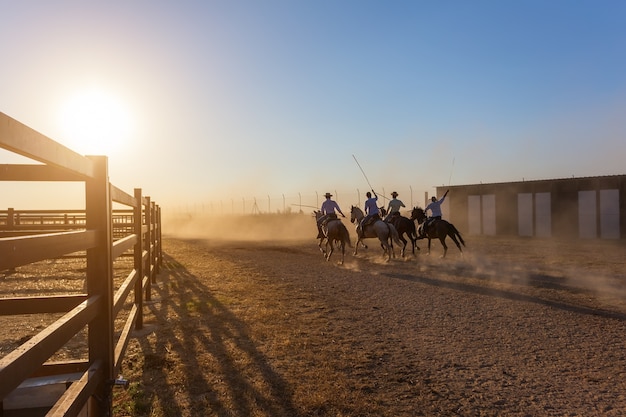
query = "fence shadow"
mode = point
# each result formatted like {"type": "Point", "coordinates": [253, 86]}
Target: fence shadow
{"type": "Point", "coordinates": [206, 354]}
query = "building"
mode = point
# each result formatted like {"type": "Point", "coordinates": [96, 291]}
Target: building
{"type": "Point", "coordinates": [589, 207]}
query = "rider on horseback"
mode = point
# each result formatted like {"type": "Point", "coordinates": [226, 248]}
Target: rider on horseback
{"type": "Point", "coordinates": [371, 209]}
{"type": "Point", "coordinates": [394, 206]}
{"type": "Point", "coordinates": [435, 210]}
{"type": "Point", "coordinates": [328, 213]}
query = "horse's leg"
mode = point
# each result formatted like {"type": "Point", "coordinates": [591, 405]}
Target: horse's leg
{"type": "Point", "coordinates": [330, 251]}
{"type": "Point", "coordinates": [384, 243]}
{"type": "Point", "coordinates": [343, 251]}
{"type": "Point", "coordinates": [320, 246]}
{"type": "Point", "coordinates": [456, 242]}
{"type": "Point", "coordinates": [442, 239]}
{"type": "Point", "coordinates": [404, 242]}
{"type": "Point", "coordinates": [429, 245]}
{"type": "Point", "coordinates": [386, 249]}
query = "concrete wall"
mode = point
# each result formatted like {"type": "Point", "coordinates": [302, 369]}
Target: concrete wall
{"type": "Point", "coordinates": [590, 207]}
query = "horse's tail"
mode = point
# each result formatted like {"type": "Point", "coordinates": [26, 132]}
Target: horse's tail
{"type": "Point", "coordinates": [456, 232]}
{"type": "Point", "coordinates": [345, 235]}
{"type": "Point", "coordinates": [394, 234]}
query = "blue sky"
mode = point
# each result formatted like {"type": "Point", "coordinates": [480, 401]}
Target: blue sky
{"type": "Point", "coordinates": [241, 99]}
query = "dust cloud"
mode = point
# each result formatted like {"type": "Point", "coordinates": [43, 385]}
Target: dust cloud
{"type": "Point", "coordinates": [555, 264]}
{"type": "Point", "coordinates": [254, 227]}
{"type": "Point", "coordinates": [572, 265]}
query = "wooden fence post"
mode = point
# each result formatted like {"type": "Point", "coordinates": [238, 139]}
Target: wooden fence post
{"type": "Point", "coordinates": [159, 249]}
{"type": "Point", "coordinates": [138, 257]}
{"type": "Point", "coordinates": [148, 249]}
{"type": "Point", "coordinates": [153, 242]}
{"type": "Point", "coordinates": [100, 282]}
{"type": "Point", "coordinates": [11, 219]}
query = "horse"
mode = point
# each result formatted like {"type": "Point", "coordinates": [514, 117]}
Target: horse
{"type": "Point", "coordinates": [405, 226]}
{"type": "Point", "coordinates": [335, 233]}
{"type": "Point", "coordinates": [385, 232]}
{"type": "Point", "coordinates": [439, 229]}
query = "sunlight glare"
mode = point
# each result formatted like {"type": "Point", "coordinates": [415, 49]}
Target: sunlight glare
{"type": "Point", "coordinates": [95, 122]}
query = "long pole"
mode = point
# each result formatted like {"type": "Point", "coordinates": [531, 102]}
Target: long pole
{"type": "Point", "coordinates": [368, 181]}
{"type": "Point", "coordinates": [451, 169]}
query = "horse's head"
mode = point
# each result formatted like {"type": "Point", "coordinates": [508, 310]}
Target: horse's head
{"type": "Point", "coordinates": [318, 214]}
{"type": "Point", "coordinates": [418, 214]}
{"type": "Point", "coordinates": [355, 214]}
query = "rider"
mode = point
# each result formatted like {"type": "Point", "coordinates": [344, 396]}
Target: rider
{"type": "Point", "coordinates": [371, 210]}
{"type": "Point", "coordinates": [394, 206]}
{"type": "Point", "coordinates": [435, 210]}
{"type": "Point", "coordinates": [328, 213]}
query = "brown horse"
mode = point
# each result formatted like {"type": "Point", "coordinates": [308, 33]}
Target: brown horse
{"type": "Point", "coordinates": [404, 226]}
{"type": "Point", "coordinates": [439, 229]}
{"type": "Point", "coordinates": [335, 233]}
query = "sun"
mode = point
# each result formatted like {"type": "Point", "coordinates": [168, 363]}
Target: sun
{"type": "Point", "coordinates": [95, 122]}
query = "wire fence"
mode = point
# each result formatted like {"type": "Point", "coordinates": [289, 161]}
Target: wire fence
{"type": "Point", "coordinates": [301, 202]}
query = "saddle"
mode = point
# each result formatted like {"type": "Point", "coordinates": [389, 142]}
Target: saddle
{"type": "Point", "coordinates": [329, 217]}
{"type": "Point", "coordinates": [427, 224]}
{"type": "Point", "coordinates": [367, 221]}
{"type": "Point", "coordinates": [323, 221]}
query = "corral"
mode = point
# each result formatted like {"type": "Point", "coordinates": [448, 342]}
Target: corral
{"type": "Point", "coordinates": [100, 314]}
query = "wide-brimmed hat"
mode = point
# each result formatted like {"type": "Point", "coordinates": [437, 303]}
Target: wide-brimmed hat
{"type": "Point", "coordinates": [328, 195]}
{"type": "Point", "coordinates": [393, 193]}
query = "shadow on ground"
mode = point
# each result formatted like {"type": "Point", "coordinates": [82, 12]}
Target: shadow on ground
{"type": "Point", "coordinates": [202, 360]}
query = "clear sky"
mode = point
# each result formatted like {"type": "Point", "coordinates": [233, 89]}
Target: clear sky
{"type": "Point", "coordinates": [264, 98]}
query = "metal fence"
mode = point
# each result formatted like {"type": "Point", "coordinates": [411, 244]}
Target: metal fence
{"type": "Point", "coordinates": [303, 202]}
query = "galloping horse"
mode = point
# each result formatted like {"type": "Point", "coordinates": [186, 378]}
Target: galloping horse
{"type": "Point", "coordinates": [439, 229]}
{"type": "Point", "coordinates": [385, 232]}
{"type": "Point", "coordinates": [404, 226]}
{"type": "Point", "coordinates": [335, 232]}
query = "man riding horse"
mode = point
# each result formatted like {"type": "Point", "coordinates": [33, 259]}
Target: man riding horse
{"type": "Point", "coordinates": [328, 213]}
{"type": "Point", "coordinates": [394, 206]}
{"type": "Point", "coordinates": [435, 211]}
{"type": "Point", "coordinates": [371, 210]}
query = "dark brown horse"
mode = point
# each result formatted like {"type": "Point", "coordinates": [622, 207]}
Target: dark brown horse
{"type": "Point", "coordinates": [404, 226]}
{"type": "Point", "coordinates": [438, 229]}
{"type": "Point", "coordinates": [335, 234]}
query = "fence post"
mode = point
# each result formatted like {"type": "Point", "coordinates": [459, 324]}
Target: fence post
{"type": "Point", "coordinates": [159, 249]}
{"type": "Point", "coordinates": [10, 219]}
{"type": "Point", "coordinates": [100, 281]}
{"type": "Point", "coordinates": [138, 256]}
{"type": "Point", "coordinates": [153, 243]}
{"type": "Point", "coordinates": [148, 248]}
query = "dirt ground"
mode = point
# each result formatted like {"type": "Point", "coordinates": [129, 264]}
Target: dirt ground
{"type": "Point", "coordinates": [515, 327]}
{"type": "Point", "coordinates": [259, 324]}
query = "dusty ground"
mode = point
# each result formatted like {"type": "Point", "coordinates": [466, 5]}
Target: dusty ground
{"type": "Point", "coordinates": [516, 327]}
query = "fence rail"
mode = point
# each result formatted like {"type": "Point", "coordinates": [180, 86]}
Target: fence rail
{"type": "Point", "coordinates": [102, 235]}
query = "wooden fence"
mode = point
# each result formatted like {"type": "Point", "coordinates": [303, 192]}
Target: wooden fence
{"type": "Point", "coordinates": [100, 234]}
